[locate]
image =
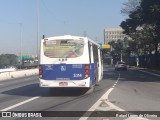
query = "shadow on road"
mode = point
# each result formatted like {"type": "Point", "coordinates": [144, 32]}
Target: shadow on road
{"type": "Point", "coordinates": [111, 75]}
{"type": "Point", "coordinates": [132, 74]}
{"type": "Point", "coordinates": [34, 90]}
{"type": "Point", "coordinates": [139, 76]}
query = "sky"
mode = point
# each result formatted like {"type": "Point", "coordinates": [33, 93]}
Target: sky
{"type": "Point", "coordinates": [18, 21]}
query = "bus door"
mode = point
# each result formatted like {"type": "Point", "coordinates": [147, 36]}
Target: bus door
{"type": "Point", "coordinates": [99, 65]}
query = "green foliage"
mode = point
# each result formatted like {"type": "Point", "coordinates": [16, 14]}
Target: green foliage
{"type": "Point", "coordinates": [105, 51]}
{"type": "Point", "coordinates": [3, 60]}
{"type": "Point", "coordinates": [151, 11]}
{"type": "Point", "coordinates": [8, 59]}
{"type": "Point", "coordinates": [120, 47]}
{"type": "Point", "coordinates": [130, 6]}
{"type": "Point", "coordinates": [143, 26]}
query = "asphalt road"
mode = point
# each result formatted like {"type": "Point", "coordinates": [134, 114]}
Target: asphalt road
{"type": "Point", "coordinates": [132, 90]}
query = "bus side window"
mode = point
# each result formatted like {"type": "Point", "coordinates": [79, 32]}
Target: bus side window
{"type": "Point", "coordinates": [95, 53]}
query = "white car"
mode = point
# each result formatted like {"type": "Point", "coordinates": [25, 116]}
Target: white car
{"type": "Point", "coordinates": [120, 66]}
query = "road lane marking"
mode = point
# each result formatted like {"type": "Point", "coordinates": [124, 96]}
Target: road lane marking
{"type": "Point", "coordinates": [104, 96]}
{"type": "Point", "coordinates": [19, 104]}
{"type": "Point", "coordinates": [111, 105]}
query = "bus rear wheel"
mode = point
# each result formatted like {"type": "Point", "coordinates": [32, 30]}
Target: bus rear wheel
{"type": "Point", "coordinates": [97, 83]}
{"type": "Point", "coordinates": [90, 90]}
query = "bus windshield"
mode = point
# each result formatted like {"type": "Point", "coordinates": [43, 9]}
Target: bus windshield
{"type": "Point", "coordinates": [63, 48]}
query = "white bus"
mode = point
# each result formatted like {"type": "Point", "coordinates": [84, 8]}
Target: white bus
{"type": "Point", "coordinates": [70, 61]}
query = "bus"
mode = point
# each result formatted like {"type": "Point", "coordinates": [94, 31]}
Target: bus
{"type": "Point", "coordinates": [70, 62]}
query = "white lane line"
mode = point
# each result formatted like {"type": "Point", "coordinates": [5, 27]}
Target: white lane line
{"type": "Point", "coordinates": [111, 105]}
{"type": "Point", "coordinates": [18, 104]}
{"type": "Point", "coordinates": [103, 97]}
{"type": "Point", "coordinates": [150, 73]}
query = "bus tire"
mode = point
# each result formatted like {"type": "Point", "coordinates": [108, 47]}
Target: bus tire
{"type": "Point", "coordinates": [97, 83]}
{"type": "Point", "coordinates": [90, 90]}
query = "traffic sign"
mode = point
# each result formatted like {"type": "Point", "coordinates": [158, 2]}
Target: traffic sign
{"type": "Point", "coordinates": [106, 46]}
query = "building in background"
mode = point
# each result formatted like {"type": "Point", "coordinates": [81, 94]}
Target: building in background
{"type": "Point", "coordinates": [113, 34]}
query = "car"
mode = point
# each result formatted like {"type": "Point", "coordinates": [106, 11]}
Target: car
{"type": "Point", "coordinates": [120, 65]}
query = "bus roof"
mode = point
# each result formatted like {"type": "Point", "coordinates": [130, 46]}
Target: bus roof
{"type": "Point", "coordinates": [71, 37]}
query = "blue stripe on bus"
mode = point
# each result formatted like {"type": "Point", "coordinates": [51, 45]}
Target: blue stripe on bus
{"type": "Point", "coordinates": [92, 74]}
{"type": "Point", "coordinates": [63, 72]}
{"type": "Point", "coordinates": [67, 72]}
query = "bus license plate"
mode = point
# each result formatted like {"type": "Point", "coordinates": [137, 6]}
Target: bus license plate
{"type": "Point", "coordinates": [63, 84]}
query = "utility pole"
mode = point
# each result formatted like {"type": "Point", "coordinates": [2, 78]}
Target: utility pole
{"type": "Point", "coordinates": [104, 37]}
{"type": "Point", "coordinates": [20, 24]}
{"type": "Point", "coordinates": [121, 56]}
{"type": "Point", "coordinates": [38, 29]}
{"type": "Point", "coordinates": [111, 49]}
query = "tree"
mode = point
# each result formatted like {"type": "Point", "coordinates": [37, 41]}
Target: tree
{"type": "Point", "coordinates": [145, 16]}
{"type": "Point", "coordinates": [151, 16]}
{"type": "Point", "coordinates": [3, 61]}
{"type": "Point", "coordinates": [120, 48]}
{"type": "Point", "coordinates": [130, 6]}
{"type": "Point", "coordinates": [8, 59]}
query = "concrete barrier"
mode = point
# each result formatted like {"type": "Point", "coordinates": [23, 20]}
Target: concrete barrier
{"type": "Point", "coordinates": [8, 69]}
{"type": "Point", "coordinates": [18, 74]}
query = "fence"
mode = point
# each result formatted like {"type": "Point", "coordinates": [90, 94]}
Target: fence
{"type": "Point", "coordinates": [150, 61]}
{"type": "Point", "coordinates": [147, 61]}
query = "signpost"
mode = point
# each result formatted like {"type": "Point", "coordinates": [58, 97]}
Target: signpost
{"type": "Point", "coordinates": [106, 46]}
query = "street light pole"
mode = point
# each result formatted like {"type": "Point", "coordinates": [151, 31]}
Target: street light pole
{"type": "Point", "coordinates": [20, 24]}
{"type": "Point", "coordinates": [121, 56]}
{"type": "Point", "coordinates": [111, 49]}
{"type": "Point", "coordinates": [37, 29]}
